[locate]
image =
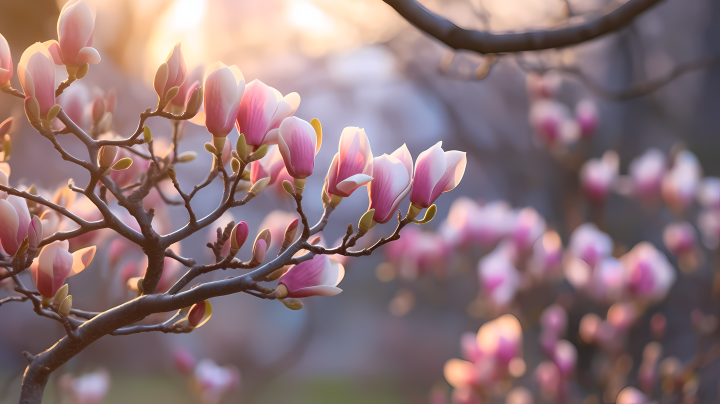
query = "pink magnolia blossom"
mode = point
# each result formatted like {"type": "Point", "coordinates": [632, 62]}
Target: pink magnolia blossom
{"type": "Point", "coordinates": [608, 280]}
{"type": "Point", "coordinates": [261, 112]}
{"type": "Point", "coordinates": [547, 254]}
{"type": "Point", "coordinates": [679, 238]}
{"type": "Point", "coordinates": [192, 82]}
{"type": "Point", "coordinates": [184, 361]}
{"type": "Point", "coordinates": [6, 64]}
{"type": "Point", "coordinates": [222, 222]}
{"type": "Point", "coordinates": [470, 222]}
{"type": "Point", "coordinates": [436, 172]}
{"type": "Point", "coordinates": [598, 176]}
{"type": "Point", "coordinates": [14, 223]}
{"type": "Point", "coordinates": [74, 101]}
{"type": "Point", "coordinates": [36, 72]}
{"type": "Point", "coordinates": [277, 221]}
{"type": "Point", "coordinates": [76, 27]}
{"type": "Point", "coordinates": [649, 273]}
{"type": "Point", "coordinates": [631, 395]}
{"type": "Point", "coordinates": [586, 114]}
{"type": "Point", "coordinates": [548, 377]}
{"type": "Point", "coordinates": [90, 388]}
{"type": "Point", "coordinates": [680, 183]}
{"type": "Point", "coordinates": [268, 166]}
{"type": "Point", "coordinates": [215, 382]}
{"type": "Point", "coordinates": [565, 357]}
{"type": "Point", "coordinates": [552, 122]}
{"type": "Point", "coordinates": [501, 339]}
{"type": "Point", "coordinates": [172, 73]}
{"type": "Point", "coordinates": [417, 252]}
{"type": "Point", "coordinates": [708, 193]}
{"type": "Point", "coordinates": [223, 88]}
{"type": "Point", "coordinates": [554, 319]}
{"type": "Point", "coordinates": [298, 145]}
{"type": "Point", "coordinates": [498, 276]}
{"type": "Point", "coordinates": [352, 166]}
{"type": "Point", "coordinates": [708, 222]}
{"type": "Point", "coordinates": [543, 85]}
{"type": "Point", "coordinates": [54, 264]}
{"type": "Point", "coordinates": [465, 396]}
{"type": "Point", "coordinates": [391, 183]}
{"type": "Point", "coordinates": [529, 226]}
{"type": "Point", "coordinates": [590, 244]}
{"type": "Point", "coordinates": [316, 277]}
{"type": "Point", "coordinates": [647, 172]}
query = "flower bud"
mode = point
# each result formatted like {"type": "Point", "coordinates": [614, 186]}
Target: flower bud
{"type": "Point", "coordinates": [61, 294]}
{"type": "Point", "coordinates": [170, 75]}
{"type": "Point", "coordinates": [106, 156]}
{"type": "Point", "coordinates": [291, 230]}
{"type": "Point", "coordinates": [292, 304]}
{"type": "Point", "coordinates": [186, 157]}
{"type": "Point", "coordinates": [199, 314]}
{"type": "Point", "coordinates": [65, 306]}
{"type": "Point", "coordinates": [5, 126]}
{"type": "Point", "coordinates": [259, 250]}
{"type": "Point", "coordinates": [366, 221]}
{"type": "Point", "coordinates": [98, 110]}
{"type": "Point", "coordinates": [123, 164]}
{"type": "Point", "coordinates": [259, 186]}
{"type": "Point", "coordinates": [242, 148]}
{"type": "Point", "coordinates": [239, 236]}
{"type": "Point", "coordinates": [35, 232]}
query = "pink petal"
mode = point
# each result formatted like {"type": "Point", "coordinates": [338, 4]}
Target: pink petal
{"type": "Point", "coordinates": [23, 215]}
{"type": "Point", "coordinates": [355, 154]}
{"type": "Point", "coordinates": [352, 183]}
{"type": "Point", "coordinates": [297, 142]}
{"type": "Point", "coordinates": [286, 107]}
{"type": "Point", "coordinates": [6, 63]}
{"type": "Point", "coordinates": [256, 109]}
{"type": "Point", "coordinates": [222, 95]}
{"type": "Point", "coordinates": [391, 181]}
{"type": "Point", "coordinates": [54, 48]}
{"type": "Point", "coordinates": [430, 168]}
{"type": "Point", "coordinates": [76, 26]}
{"type": "Point", "coordinates": [456, 162]}
{"type": "Point", "coordinates": [88, 55]}
{"type": "Point", "coordinates": [9, 222]}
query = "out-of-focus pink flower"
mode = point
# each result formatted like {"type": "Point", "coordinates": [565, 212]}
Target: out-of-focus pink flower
{"type": "Point", "coordinates": [74, 101]}
{"type": "Point", "coordinates": [172, 73]}
{"type": "Point", "coordinates": [498, 276]}
{"type": "Point", "coordinates": [76, 27]}
{"type": "Point", "coordinates": [268, 166]}
{"type": "Point", "coordinates": [554, 319]}
{"type": "Point", "coordinates": [36, 72]}
{"type": "Point", "coordinates": [519, 395]}
{"type": "Point", "coordinates": [622, 315]}
{"type": "Point", "coordinates": [679, 185]}
{"type": "Point", "coordinates": [171, 273]}
{"type": "Point", "coordinates": [192, 82]}
{"type": "Point", "coordinates": [490, 223]}
{"type": "Point", "coordinates": [501, 338]}
{"type": "Point", "coordinates": [708, 223]}
{"type": "Point", "coordinates": [565, 357]}
{"type": "Point", "coordinates": [543, 85]}
{"type": "Point", "coordinates": [708, 193]}
{"type": "Point", "coordinates": [647, 172]}
{"type": "Point", "coordinates": [14, 222]}
{"type": "Point", "coordinates": [277, 221]}
{"type": "Point", "coordinates": [6, 64]}
{"type": "Point", "coordinates": [631, 395]}
{"type": "Point", "coordinates": [223, 88]}
{"type": "Point", "coordinates": [528, 227]}
{"type": "Point", "coordinates": [261, 112]}
{"type": "Point", "coordinates": [316, 277]}
{"type": "Point", "coordinates": [679, 238]}
{"type": "Point", "coordinates": [436, 172]}
{"type": "Point", "coordinates": [608, 280]}
{"type": "Point", "coordinates": [586, 114]}
{"type": "Point", "coordinates": [547, 254]}
{"type": "Point", "coordinates": [597, 176]}
{"type": "Point", "coordinates": [438, 395]}
{"type": "Point", "coordinates": [417, 252]}
{"type": "Point", "coordinates": [215, 382]}
{"type": "Point", "coordinates": [460, 374]}
{"type": "Point", "coordinates": [547, 376]}
{"type": "Point", "coordinates": [298, 145]}
{"type": "Point", "coordinates": [465, 396]}
{"type": "Point", "coordinates": [54, 264]}
{"type": "Point", "coordinates": [352, 166]}
{"type": "Point", "coordinates": [184, 361]}
{"type": "Point", "coordinates": [590, 244]}
{"type": "Point", "coordinates": [391, 183]}
{"type": "Point", "coordinates": [90, 388]}
{"type": "Point", "coordinates": [552, 122]}
{"type": "Point", "coordinates": [649, 273]}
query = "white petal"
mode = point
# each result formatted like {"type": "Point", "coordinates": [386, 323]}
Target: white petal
{"type": "Point", "coordinates": [353, 182]}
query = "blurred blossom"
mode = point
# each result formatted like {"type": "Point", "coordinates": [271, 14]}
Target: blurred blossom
{"type": "Point", "coordinates": [75, 101]}
{"type": "Point", "coordinates": [647, 172]}
{"type": "Point", "coordinates": [565, 357]}
{"type": "Point", "coordinates": [465, 396]}
{"type": "Point", "coordinates": [468, 222]}
{"type": "Point", "coordinates": [709, 192]}
{"type": "Point", "coordinates": [597, 176]}
{"type": "Point", "coordinates": [679, 185]}
{"type": "Point", "coordinates": [679, 238]}
{"type": "Point", "coordinates": [622, 315]}
{"type": "Point", "coordinates": [647, 373]}
{"type": "Point", "coordinates": [708, 223]}
{"type": "Point", "coordinates": [547, 376]}
{"type": "Point", "coordinates": [501, 339]}
{"type": "Point", "coordinates": [215, 382]}
{"type": "Point", "coordinates": [553, 123]}
{"type": "Point", "coordinates": [277, 221]}
{"type": "Point", "coordinates": [586, 113]}
{"type": "Point", "coordinates": [417, 252]}
{"type": "Point", "coordinates": [90, 388]}
{"type": "Point", "coordinates": [193, 81]}
{"type": "Point", "coordinates": [649, 272]}
{"type": "Point", "coordinates": [184, 361]}
{"type": "Point", "coordinates": [498, 277]}
{"type": "Point", "coordinates": [75, 28]}
{"type": "Point", "coordinates": [554, 319]}
{"type": "Point", "coordinates": [547, 254]}
{"type": "Point", "coordinates": [631, 395]}
{"type": "Point", "coordinates": [528, 227]}
{"type": "Point", "coordinates": [519, 395]}
{"type": "Point", "coordinates": [609, 282]}
{"type": "Point", "coordinates": [543, 85]}
{"type": "Point", "coordinates": [590, 244]}
{"type": "Point", "coordinates": [6, 64]}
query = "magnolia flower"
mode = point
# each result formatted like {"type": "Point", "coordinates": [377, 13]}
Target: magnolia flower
{"type": "Point", "coordinates": [36, 72]}
{"type": "Point", "coordinates": [268, 166]}
{"type": "Point", "coordinates": [547, 254]}
{"type": "Point", "coordinates": [647, 172]}
{"type": "Point", "coordinates": [276, 222]}
{"type": "Point", "coordinates": [649, 274]}
{"type": "Point", "coordinates": [543, 85]}
{"type": "Point", "coordinates": [679, 238]}
{"type": "Point", "coordinates": [74, 101]}
{"type": "Point", "coordinates": [214, 381]}
{"type": "Point", "coordinates": [262, 109]}
{"type": "Point", "coordinates": [708, 193]}
{"type": "Point", "coordinates": [498, 276]}
{"type": "Point", "coordinates": [552, 122]}
{"type": "Point", "coordinates": [391, 183]}
{"type": "Point", "coordinates": [708, 222]}
{"type": "Point", "coordinates": [547, 376]}
{"type": "Point", "coordinates": [298, 145]}
{"type": "Point", "coordinates": [586, 114]}
{"type": "Point", "coordinates": [680, 184]}
{"type": "Point", "coordinates": [54, 264]}
{"type": "Point", "coordinates": [352, 166]}
{"type": "Point", "coordinates": [597, 176]}
{"type": "Point", "coordinates": [590, 244]}
{"type": "Point", "coordinates": [528, 227]}
{"type": "Point", "coordinates": [170, 74]}
{"type": "Point", "coordinates": [554, 319]}
{"type": "Point", "coordinates": [418, 251]}
{"type": "Point", "coordinates": [76, 27]}
{"type": "Point", "coordinates": [90, 388]}
{"type": "Point", "coordinates": [469, 222]}
{"type": "Point", "coordinates": [565, 357]}
{"type": "Point", "coordinates": [501, 338]}
{"type": "Point", "coordinates": [14, 223]}
{"type": "Point", "coordinates": [316, 277]}
{"type": "Point", "coordinates": [6, 64]}
{"type": "Point", "coordinates": [223, 88]}
{"type": "Point", "coordinates": [184, 360]}
{"type": "Point", "coordinates": [192, 82]}
{"type": "Point", "coordinates": [608, 280]}
{"type": "Point", "coordinates": [436, 172]}
{"type": "Point", "coordinates": [631, 395]}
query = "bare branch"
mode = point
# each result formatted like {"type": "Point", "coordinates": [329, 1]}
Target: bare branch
{"type": "Point", "coordinates": [486, 42]}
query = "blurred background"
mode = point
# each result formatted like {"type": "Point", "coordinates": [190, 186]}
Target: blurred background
{"type": "Point", "coordinates": [386, 338]}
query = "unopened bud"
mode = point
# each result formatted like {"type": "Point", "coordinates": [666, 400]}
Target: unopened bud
{"type": "Point", "coordinates": [259, 250]}
{"type": "Point", "coordinates": [106, 156]}
{"type": "Point", "coordinates": [98, 110]}
{"type": "Point", "coordinates": [54, 111]}
{"type": "Point", "coordinates": [292, 304]}
{"type": "Point", "coordinates": [194, 103]}
{"type": "Point", "coordinates": [123, 164]}
{"type": "Point", "coordinates": [186, 157]}
{"type": "Point", "coordinates": [243, 186]}
{"type": "Point", "coordinates": [259, 153]}
{"type": "Point", "coordinates": [32, 191]}
{"type": "Point", "coordinates": [239, 235]}
{"type": "Point", "coordinates": [172, 174]}
{"type": "Point", "coordinates": [241, 148]}
{"type": "Point", "coordinates": [32, 110]}
{"type": "Point", "coordinates": [171, 93]}
{"type": "Point", "coordinates": [65, 306]}
{"type": "Point", "coordinates": [35, 232]}
{"type": "Point", "coordinates": [61, 294]}
{"type": "Point", "coordinates": [147, 135]}
{"type": "Point", "coordinates": [245, 176]}
{"type": "Point", "coordinates": [366, 221]}
{"type": "Point", "coordinates": [23, 247]}
{"type": "Point", "coordinates": [259, 185]}
{"type": "Point", "coordinates": [291, 230]}
{"type": "Point", "coordinates": [210, 148]}
{"type": "Point", "coordinates": [288, 187]}
{"type": "Point", "coordinates": [235, 164]}
{"type": "Point", "coordinates": [199, 314]}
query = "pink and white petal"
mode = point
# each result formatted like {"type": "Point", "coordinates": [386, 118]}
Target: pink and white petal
{"type": "Point", "coordinates": [88, 55]}
{"type": "Point", "coordinates": [395, 205]}
{"type": "Point", "coordinates": [403, 154]}
{"type": "Point", "coordinates": [8, 227]}
{"type": "Point", "coordinates": [23, 215]}
{"type": "Point", "coordinates": [322, 290]}
{"type": "Point", "coordinates": [285, 153]}
{"type": "Point", "coordinates": [429, 169]}
{"type": "Point", "coordinates": [76, 26]}
{"type": "Point", "coordinates": [54, 48]}
{"type": "Point", "coordinates": [353, 152]}
{"type": "Point", "coordinates": [42, 69]}
{"type": "Point", "coordinates": [62, 265]}
{"type": "Point", "coordinates": [332, 174]}
{"type": "Point", "coordinates": [456, 163]}
{"type": "Point", "coordinates": [81, 259]}
{"type": "Point", "coordinates": [353, 182]}
{"type": "Point", "coordinates": [285, 108]}
{"type": "Point", "coordinates": [272, 137]}
{"type": "Point", "coordinates": [26, 81]}
{"type": "Point", "coordinates": [257, 107]}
